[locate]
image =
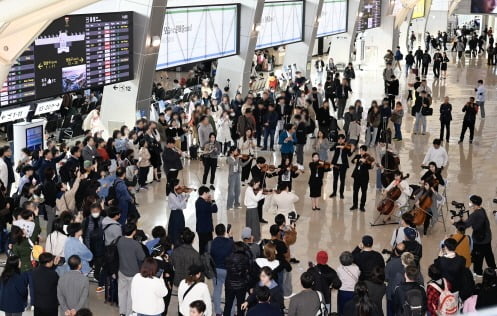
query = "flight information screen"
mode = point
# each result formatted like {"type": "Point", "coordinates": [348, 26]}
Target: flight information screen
{"type": "Point", "coordinates": [371, 15]}
{"type": "Point", "coordinates": [74, 52]}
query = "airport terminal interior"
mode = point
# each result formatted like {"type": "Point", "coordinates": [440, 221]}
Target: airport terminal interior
{"type": "Point", "coordinates": [367, 126]}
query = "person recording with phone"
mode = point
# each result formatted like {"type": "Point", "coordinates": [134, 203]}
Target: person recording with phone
{"type": "Point", "coordinates": [482, 235]}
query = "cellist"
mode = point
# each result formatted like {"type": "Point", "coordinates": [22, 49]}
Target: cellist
{"type": "Point", "coordinates": [426, 199]}
{"type": "Point", "coordinates": [400, 182]}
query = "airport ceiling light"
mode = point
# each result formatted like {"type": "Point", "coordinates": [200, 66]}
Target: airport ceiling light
{"type": "Point", "coordinates": [407, 6]}
{"type": "Point", "coordinates": [22, 21]}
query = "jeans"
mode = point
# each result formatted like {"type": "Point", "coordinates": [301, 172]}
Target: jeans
{"type": "Point", "coordinates": [479, 252]}
{"type": "Point", "coordinates": [142, 175]}
{"type": "Point", "coordinates": [371, 136]}
{"type": "Point", "coordinates": [269, 132]}
{"type": "Point", "coordinates": [398, 132]}
{"type": "Point", "coordinates": [124, 293]}
{"type": "Point", "coordinates": [445, 126]}
{"type": "Point", "coordinates": [233, 190]}
{"type": "Point", "coordinates": [209, 164]}
{"type": "Point", "coordinates": [218, 283]}
{"type": "Point", "coordinates": [481, 105]}
{"type": "Point", "coordinates": [420, 119]}
{"type": "Point", "coordinates": [299, 151]}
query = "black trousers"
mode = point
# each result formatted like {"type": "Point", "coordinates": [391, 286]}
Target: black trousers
{"type": "Point", "coordinates": [246, 171]}
{"type": "Point", "coordinates": [424, 70]}
{"type": "Point", "coordinates": [445, 126]}
{"type": "Point", "coordinates": [465, 126]}
{"type": "Point", "coordinates": [230, 296]}
{"type": "Point", "coordinates": [203, 240]}
{"type": "Point", "coordinates": [391, 100]}
{"type": "Point", "coordinates": [479, 252]}
{"type": "Point", "coordinates": [170, 177]}
{"type": "Point", "coordinates": [339, 172]}
{"type": "Point", "coordinates": [436, 69]}
{"type": "Point", "coordinates": [46, 311]}
{"type": "Point", "coordinates": [209, 164]}
{"type": "Point", "coordinates": [361, 184]}
{"type": "Point", "coordinates": [418, 63]}
{"type": "Point", "coordinates": [142, 175]}
{"type": "Point", "coordinates": [260, 206]}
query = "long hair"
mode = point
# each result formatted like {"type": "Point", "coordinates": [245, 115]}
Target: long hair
{"type": "Point", "coordinates": [364, 305]}
{"type": "Point", "coordinates": [11, 268]}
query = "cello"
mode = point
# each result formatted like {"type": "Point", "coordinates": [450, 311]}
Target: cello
{"type": "Point", "coordinates": [425, 201]}
{"type": "Point", "coordinates": [386, 206]}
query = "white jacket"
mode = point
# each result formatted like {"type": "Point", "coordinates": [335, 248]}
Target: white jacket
{"type": "Point", "coordinates": [4, 172]}
{"type": "Point", "coordinates": [199, 292]}
{"type": "Point", "coordinates": [223, 130]}
{"type": "Point", "coordinates": [285, 202]}
{"type": "Point", "coordinates": [147, 295]}
{"type": "Point", "coordinates": [55, 244]}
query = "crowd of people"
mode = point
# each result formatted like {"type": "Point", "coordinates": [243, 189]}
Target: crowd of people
{"type": "Point", "coordinates": [84, 197]}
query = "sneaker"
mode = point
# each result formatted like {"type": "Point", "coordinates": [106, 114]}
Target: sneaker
{"type": "Point", "coordinates": [477, 275]}
{"type": "Point", "coordinates": [100, 289]}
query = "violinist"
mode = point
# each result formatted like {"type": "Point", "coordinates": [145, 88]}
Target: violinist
{"type": "Point", "coordinates": [260, 174]}
{"type": "Point", "coordinates": [247, 147]}
{"type": "Point", "coordinates": [177, 201]}
{"type": "Point", "coordinates": [360, 174]}
{"type": "Point", "coordinates": [426, 200]}
{"type": "Point", "coordinates": [287, 172]}
{"type": "Point", "coordinates": [253, 195]}
{"type": "Point", "coordinates": [171, 159]}
{"type": "Point", "coordinates": [340, 164]}
{"type": "Point", "coordinates": [235, 165]}
{"type": "Point", "coordinates": [212, 149]}
{"type": "Point", "coordinates": [317, 171]}
{"type": "Point", "coordinates": [400, 182]}
{"type": "Point", "coordinates": [433, 174]}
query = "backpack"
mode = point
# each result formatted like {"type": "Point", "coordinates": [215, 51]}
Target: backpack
{"type": "Point", "coordinates": [111, 255]}
{"type": "Point", "coordinates": [414, 302]}
{"type": "Point", "coordinates": [323, 311]}
{"type": "Point", "coordinates": [111, 196]}
{"type": "Point", "coordinates": [467, 287]}
{"type": "Point", "coordinates": [273, 83]}
{"type": "Point", "coordinates": [448, 302]}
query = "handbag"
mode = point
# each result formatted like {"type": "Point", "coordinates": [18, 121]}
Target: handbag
{"type": "Point", "coordinates": [426, 111]}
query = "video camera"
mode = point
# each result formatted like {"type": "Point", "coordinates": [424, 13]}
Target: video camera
{"type": "Point", "coordinates": [461, 210]}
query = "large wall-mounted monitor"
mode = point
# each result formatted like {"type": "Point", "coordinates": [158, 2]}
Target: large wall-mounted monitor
{"type": "Point", "coordinates": [419, 10]}
{"type": "Point", "coordinates": [281, 23]}
{"type": "Point", "coordinates": [371, 15]}
{"type": "Point", "coordinates": [74, 52]}
{"type": "Point", "coordinates": [193, 34]}
{"type": "Point", "coordinates": [333, 19]}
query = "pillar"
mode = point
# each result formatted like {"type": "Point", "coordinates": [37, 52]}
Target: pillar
{"type": "Point", "coordinates": [301, 53]}
{"type": "Point", "coordinates": [237, 68]}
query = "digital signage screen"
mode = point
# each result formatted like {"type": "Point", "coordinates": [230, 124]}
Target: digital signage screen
{"type": "Point", "coordinates": [371, 15]}
{"type": "Point", "coordinates": [333, 19]}
{"type": "Point", "coordinates": [419, 10]}
{"type": "Point", "coordinates": [193, 34]}
{"type": "Point", "coordinates": [281, 23]}
{"type": "Point", "coordinates": [34, 138]}
{"type": "Point", "coordinates": [74, 52]}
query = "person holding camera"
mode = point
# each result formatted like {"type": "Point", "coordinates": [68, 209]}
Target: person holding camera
{"type": "Point", "coordinates": [482, 236]}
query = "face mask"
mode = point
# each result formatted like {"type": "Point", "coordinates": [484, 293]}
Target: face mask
{"type": "Point", "coordinates": [95, 215]}
{"type": "Point", "coordinates": [470, 204]}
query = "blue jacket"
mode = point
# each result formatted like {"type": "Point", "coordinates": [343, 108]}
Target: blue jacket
{"type": "Point", "coordinates": [74, 246]}
{"type": "Point", "coordinates": [124, 198]}
{"type": "Point", "coordinates": [264, 309]}
{"type": "Point", "coordinates": [287, 148]}
{"type": "Point", "coordinates": [221, 248]}
{"type": "Point", "coordinates": [203, 211]}
{"type": "Point", "coordinates": [47, 164]}
{"type": "Point", "coordinates": [14, 293]}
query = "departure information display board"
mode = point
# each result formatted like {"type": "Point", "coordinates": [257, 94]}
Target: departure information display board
{"type": "Point", "coordinates": [281, 23]}
{"type": "Point", "coordinates": [419, 10]}
{"type": "Point", "coordinates": [333, 18]}
{"type": "Point", "coordinates": [74, 52]}
{"type": "Point", "coordinates": [371, 15]}
{"type": "Point", "coordinates": [193, 34]}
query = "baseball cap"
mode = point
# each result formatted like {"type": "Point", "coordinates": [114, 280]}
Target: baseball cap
{"type": "Point", "coordinates": [410, 233]}
{"type": "Point", "coordinates": [322, 257]}
{"type": "Point", "coordinates": [246, 233]}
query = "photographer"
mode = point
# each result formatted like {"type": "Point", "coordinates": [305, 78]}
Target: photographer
{"type": "Point", "coordinates": [482, 236]}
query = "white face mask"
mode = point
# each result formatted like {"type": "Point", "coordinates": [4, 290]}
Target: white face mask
{"type": "Point", "coordinates": [95, 215]}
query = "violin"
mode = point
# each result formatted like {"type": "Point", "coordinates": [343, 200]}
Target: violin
{"type": "Point", "coordinates": [324, 164]}
{"type": "Point", "coordinates": [184, 189]}
{"type": "Point", "coordinates": [369, 159]}
{"type": "Point", "coordinates": [346, 146]}
{"type": "Point", "coordinates": [420, 212]}
{"type": "Point", "coordinates": [387, 205]}
{"type": "Point", "coordinates": [271, 168]}
{"type": "Point", "coordinates": [296, 168]}
{"type": "Point", "coordinates": [243, 156]}
{"type": "Point", "coordinates": [264, 191]}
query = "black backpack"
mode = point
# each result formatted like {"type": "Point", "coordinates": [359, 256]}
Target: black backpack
{"type": "Point", "coordinates": [414, 304]}
{"type": "Point", "coordinates": [111, 255]}
{"type": "Point", "coordinates": [467, 282]}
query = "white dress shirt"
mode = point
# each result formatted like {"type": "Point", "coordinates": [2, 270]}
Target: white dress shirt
{"type": "Point", "coordinates": [251, 199]}
{"type": "Point", "coordinates": [439, 156]}
{"type": "Point", "coordinates": [285, 202]}
{"type": "Point", "coordinates": [481, 94]}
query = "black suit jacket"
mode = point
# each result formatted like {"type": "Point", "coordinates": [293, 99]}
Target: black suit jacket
{"type": "Point", "coordinates": [343, 91]}
{"type": "Point", "coordinates": [345, 156]}
{"type": "Point", "coordinates": [361, 170]}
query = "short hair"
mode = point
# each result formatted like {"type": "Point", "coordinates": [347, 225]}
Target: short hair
{"type": "Point", "coordinates": [450, 244]}
{"type": "Point", "coordinates": [437, 141]}
{"type": "Point", "coordinates": [274, 230]}
{"type": "Point", "coordinates": [412, 272]}
{"type": "Point", "coordinates": [158, 232]}
{"type": "Point", "coordinates": [260, 160]}
{"type": "Point", "coordinates": [407, 258]}
{"type": "Point", "coordinates": [199, 305]}
{"type": "Point", "coordinates": [346, 258]}
{"type": "Point", "coordinates": [220, 230]}
{"type": "Point", "coordinates": [267, 271]}
{"type": "Point", "coordinates": [84, 312]}
{"type": "Point", "coordinates": [434, 272]}
{"type": "Point", "coordinates": [45, 258]}
{"type": "Point", "coordinates": [262, 293]}
{"type": "Point", "coordinates": [74, 149]}
{"type": "Point", "coordinates": [121, 171]}
{"type": "Point", "coordinates": [74, 261]}
{"type": "Point", "coordinates": [408, 218]}
{"type": "Point", "coordinates": [307, 280]}
{"type": "Point", "coordinates": [279, 219]}
{"type": "Point", "coordinates": [203, 189]}
{"type": "Point", "coordinates": [129, 228]}
{"type": "Point", "coordinates": [342, 136]}
{"type": "Point", "coordinates": [461, 227]}
{"type": "Point", "coordinates": [148, 268]}
{"type": "Point", "coordinates": [73, 228]}
{"type": "Point", "coordinates": [170, 140]}
{"type": "Point", "coordinates": [113, 212]}
{"type": "Point", "coordinates": [480, 81]}
{"type": "Point", "coordinates": [187, 236]}
{"type": "Point", "coordinates": [365, 148]}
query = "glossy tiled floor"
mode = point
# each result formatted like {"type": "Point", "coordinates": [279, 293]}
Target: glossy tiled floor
{"type": "Point", "coordinates": [335, 229]}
